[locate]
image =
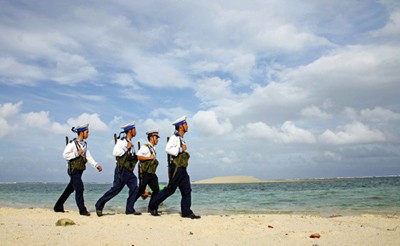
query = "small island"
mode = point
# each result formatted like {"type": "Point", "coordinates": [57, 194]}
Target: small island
{"type": "Point", "coordinates": [229, 180]}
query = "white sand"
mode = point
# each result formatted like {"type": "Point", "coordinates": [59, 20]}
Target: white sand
{"type": "Point", "coordinates": [37, 227]}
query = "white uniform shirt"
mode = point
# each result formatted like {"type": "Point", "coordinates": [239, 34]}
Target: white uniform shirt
{"type": "Point", "coordinates": [174, 145]}
{"type": "Point", "coordinates": [145, 151]}
{"type": "Point", "coordinates": [120, 147]}
{"type": "Point", "coordinates": [71, 152]}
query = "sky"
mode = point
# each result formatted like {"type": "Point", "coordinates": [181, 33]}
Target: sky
{"type": "Point", "coordinates": [271, 89]}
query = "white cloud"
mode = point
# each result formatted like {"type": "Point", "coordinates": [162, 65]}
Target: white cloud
{"type": "Point", "coordinates": [353, 133]}
{"type": "Point", "coordinates": [275, 103]}
{"type": "Point", "coordinates": [351, 114]}
{"type": "Point", "coordinates": [205, 66]}
{"type": "Point", "coordinates": [314, 111]}
{"type": "Point", "coordinates": [392, 27]}
{"type": "Point", "coordinates": [292, 134]}
{"type": "Point", "coordinates": [158, 72]}
{"type": "Point", "coordinates": [42, 54]}
{"type": "Point", "coordinates": [9, 110]}
{"type": "Point", "coordinates": [66, 69]}
{"type": "Point", "coordinates": [288, 133]}
{"type": "Point", "coordinates": [267, 27]}
{"type": "Point", "coordinates": [36, 119]}
{"type": "Point", "coordinates": [71, 69]}
{"type": "Point", "coordinates": [5, 128]}
{"type": "Point", "coordinates": [379, 114]}
{"type": "Point", "coordinates": [125, 80]}
{"type": "Point", "coordinates": [258, 130]}
{"type": "Point", "coordinates": [164, 126]}
{"type": "Point", "coordinates": [8, 118]}
{"type": "Point", "coordinates": [14, 72]}
{"type": "Point", "coordinates": [358, 65]}
{"type": "Point", "coordinates": [95, 123]}
{"type": "Point", "coordinates": [15, 122]}
{"type": "Point", "coordinates": [41, 121]}
{"type": "Point", "coordinates": [208, 122]}
{"type": "Point", "coordinates": [279, 93]}
{"type": "Point", "coordinates": [170, 113]}
{"type": "Point", "coordinates": [242, 66]}
{"type": "Point", "coordinates": [31, 43]}
{"type": "Point", "coordinates": [287, 37]}
{"type": "Point", "coordinates": [214, 90]}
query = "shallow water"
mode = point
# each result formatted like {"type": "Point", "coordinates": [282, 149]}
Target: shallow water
{"type": "Point", "coordinates": [322, 197]}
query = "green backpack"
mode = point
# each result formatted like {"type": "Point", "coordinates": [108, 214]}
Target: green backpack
{"type": "Point", "coordinates": [78, 163]}
{"type": "Point", "coordinates": [149, 166]}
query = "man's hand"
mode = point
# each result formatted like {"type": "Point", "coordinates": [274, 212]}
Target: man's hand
{"type": "Point", "coordinates": [183, 147]}
{"type": "Point", "coordinates": [129, 145]}
{"type": "Point", "coordinates": [99, 168]}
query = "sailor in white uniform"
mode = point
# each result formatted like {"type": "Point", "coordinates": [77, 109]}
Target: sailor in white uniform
{"type": "Point", "coordinates": [77, 154]}
{"type": "Point", "coordinates": [124, 152]}
{"type": "Point", "coordinates": [148, 164]}
{"type": "Point", "coordinates": [179, 177]}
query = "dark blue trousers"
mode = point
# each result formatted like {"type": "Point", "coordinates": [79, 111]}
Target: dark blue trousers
{"type": "Point", "coordinates": [181, 179]}
{"type": "Point", "coordinates": [122, 177]}
{"type": "Point", "coordinates": [75, 184]}
{"type": "Point", "coordinates": [152, 181]}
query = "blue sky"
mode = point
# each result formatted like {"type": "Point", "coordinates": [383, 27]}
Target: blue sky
{"type": "Point", "coordinates": [272, 89]}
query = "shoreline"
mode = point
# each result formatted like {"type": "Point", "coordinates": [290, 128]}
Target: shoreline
{"type": "Point", "coordinates": [222, 179]}
{"type": "Point", "coordinates": [36, 226]}
{"type": "Point", "coordinates": [174, 209]}
{"type": "Point", "coordinates": [252, 180]}
{"type": "Point", "coordinates": [328, 213]}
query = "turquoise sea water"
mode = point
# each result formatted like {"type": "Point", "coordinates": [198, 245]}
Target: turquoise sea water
{"type": "Point", "coordinates": [321, 197]}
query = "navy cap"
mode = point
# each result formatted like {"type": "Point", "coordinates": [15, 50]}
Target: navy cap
{"type": "Point", "coordinates": [180, 121]}
{"type": "Point", "coordinates": [128, 126]}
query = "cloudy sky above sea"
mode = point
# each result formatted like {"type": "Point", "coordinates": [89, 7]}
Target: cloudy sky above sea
{"type": "Point", "coordinates": [272, 89]}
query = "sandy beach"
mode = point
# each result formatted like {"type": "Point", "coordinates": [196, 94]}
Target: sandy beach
{"type": "Point", "coordinates": [38, 227]}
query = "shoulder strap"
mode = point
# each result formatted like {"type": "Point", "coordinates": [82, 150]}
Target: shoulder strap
{"type": "Point", "coordinates": [124, 138]}
{"type": "Point", "coordinates": [76, 144]}
{"type": "Point", "coordinates": [150, 148]}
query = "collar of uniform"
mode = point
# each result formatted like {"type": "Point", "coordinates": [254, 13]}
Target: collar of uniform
{"type": "Point", "coordinates": [176, 133]}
